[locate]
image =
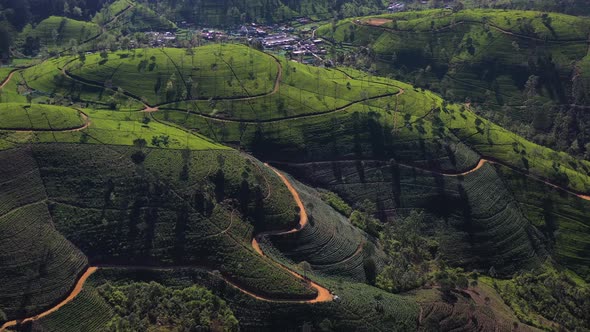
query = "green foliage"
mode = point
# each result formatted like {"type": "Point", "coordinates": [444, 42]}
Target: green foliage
{"type": "Point", "coordinates": [44, 262]}
{"type": "Point", "coordinates": [328, 245]}
{"type": "Point", "coordinates": [337, 203]}
{"type": "Point", "coordinates": [163, 219]}
{"type": "Point", "coordinates": [213, 13]}
{"type": "Point", "coordinates": [143, 306]}
{"type": "Point", "coordinates": [486, 57]}
{"type": "Point", "coordinates": [162, 75]}
{"type": "Point", "coordinates": [363, 218]}
{"type": "Point", "coordinates": [561, 217]}
{"type": "Point", "coordinates": [409, 252]}
{"type": "Point", "coordinates": [549, 293]}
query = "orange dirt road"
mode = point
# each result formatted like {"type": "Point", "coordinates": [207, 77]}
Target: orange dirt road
{"type": "Point", "coordinates": [8, 79]}
{"type": "Point", "coordinates": [478, 166]}
{"type": "Point", "coordinates": [324, 294]}
{"type": "Point", "coordinates": [377, 21]}
{"type": "Point", "coordinates": [77, 289]}
{"type": "Point", "coordinates": [484, 161]}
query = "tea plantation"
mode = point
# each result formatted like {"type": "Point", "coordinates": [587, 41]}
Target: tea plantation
{"type": "Point", "coordinates": [150, 165]}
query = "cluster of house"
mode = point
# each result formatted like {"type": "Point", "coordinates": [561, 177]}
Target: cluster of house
{"type": "Point", "coordinates": [279, 40]}
{"type": "Point", "coordinates": [309, 47]}
{"type": "Point", "coordinates": [301, 44]}
{"type": "Point", "coordinates": [396, 7]}
{"type": "Point", "coordinates": [214, 35]}
{"type": "Point", "coordinates": [157, 38]}
{"type": "Point", "coordinates": [283, 38]}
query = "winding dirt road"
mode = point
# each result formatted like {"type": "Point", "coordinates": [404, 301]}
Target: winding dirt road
{"type": "Point", "coordinates": [324, 295]}
{"type": "Point", "coordinates": [8, 78]}
{"type": "Point", "coordinates": [483, 161]}
{"type": "Point", "coordinates": [77, 289]}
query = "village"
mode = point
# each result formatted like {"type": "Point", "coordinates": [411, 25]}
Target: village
{"type": "Point", "coordinates": [296, 42]}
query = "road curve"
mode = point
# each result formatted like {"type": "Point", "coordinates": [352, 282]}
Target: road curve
{"type": "Point", "coordinates": [8, 78]}
{"type": "Point", "coordinates": [77, 289]}
{"type": "Point", "coordinates": [324, 294]}
{"type": "Point", "coordinates": [480, 164]}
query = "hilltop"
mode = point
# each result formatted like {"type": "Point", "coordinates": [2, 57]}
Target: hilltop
{"type": "Point", "coordinates": [526, 70]}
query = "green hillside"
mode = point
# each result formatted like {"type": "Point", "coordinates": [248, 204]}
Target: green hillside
{"type": "Point", "coordinates": [131, 16]}
{"type": "Point", "coordinates": [525, 69]}
{"type": "Point", "coordinates": [38, 264]}
{"type": "Point", "coordinates": [266, 194]}
{"type": "Point", "coordinates": [160, 76]}
{"type": "Point", "coordinates": [57, 32]}
{"type": "Point", "coordinates": [39, 117]}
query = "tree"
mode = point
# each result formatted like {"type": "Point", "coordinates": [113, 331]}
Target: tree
{"type": "Point", "coordinates": [370, 270]}
{"type": "Point", "coordinates": [306, 267]}
{"type": "Point", "coordinates": [125, 42]}
{"type": "Point", "coordinates": [138, 157]}
{"type": "Point", "coordinates": [66, 8]}
{"type": "Point", "coordinates": [77, 11]}
{"type": "Point", "coordinates": [6, 39]}
{"type": "Point", "coordinates": [492, 272]}
{"type": "Point", "coordinates": [326, 325]}
{"type": "Point", "coordinates": [54, 35]}
{"type": "Point", "coordinates": [530, 87]}
{"type": "Point", "coordinates": [139, 143]}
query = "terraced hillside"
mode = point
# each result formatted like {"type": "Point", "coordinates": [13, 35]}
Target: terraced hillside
{"type": "Point", "coordinates": [169, 209]}
{"type": "Point", "coordinates": [132, 16]}
{"type": "Point", "coordinates": [55, 32]}
{"type": "Point", "coordinates": [40, 117]}
{"type": "Point", "coordinates": [38, 265]}
{"type": "Point", "coordinates": [524, 68]}
{"type": "Point", "coordinates": [155, 172]}
{"type": "Point", "coordinates": [488, 50]}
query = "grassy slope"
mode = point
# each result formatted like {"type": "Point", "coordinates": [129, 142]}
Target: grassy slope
{"type": "Point", "coordinates": [38, 117]}
{"type": "Point", "coordinates": [94, 202]}
{"type": "Point", "coordinates": [330, 244]}
{"type": "Point", "coordinates": [561, 217]}
{"type": "Point", "coordinates": [475, 219]}
{"type": "Point", "coordinates": [367, 129]}
{"type": "Point", "coordinates": [160, 225]}
{"type": "Point", "coordinates": [138, 17]}
{"type": "Point", "coordinates": [439, 135]}
{"type": "Point", "coordinates": [88, 312]}
{"type": "Point", "coordinates": [493, 70]}
{"type": "Point", "coordinates": [38, 264]}
{"type": "Point", "coordinates": [67, 29]}
{"type": "Point", "coordinates": [216, 71]}
{"type": "Point", "coordinates": [47, 79]}
{"type": "Point", "coordinates": [445, 136]}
